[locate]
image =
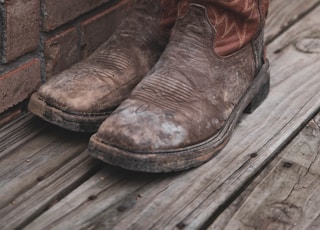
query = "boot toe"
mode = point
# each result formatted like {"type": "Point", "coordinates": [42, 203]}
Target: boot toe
{"type": "Point", "coordinates": [138, 127]}
{"type": "Point", "coordinates": [77, 93]}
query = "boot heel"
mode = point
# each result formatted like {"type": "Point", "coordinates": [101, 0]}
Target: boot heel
{"type": "Point", "coordinates": [261, 95]}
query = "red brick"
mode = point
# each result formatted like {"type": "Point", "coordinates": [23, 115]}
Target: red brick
{"type": "Point", "coordinates": [18, 84]}
{"type": "Point", "coordinates": [21, 28]}
{"type": "Point", "coordinates": [99, 28]}
{"type": "Point", "coordinates": [58, 12]}
{"type": "Point", "coordinates": [61, 51]}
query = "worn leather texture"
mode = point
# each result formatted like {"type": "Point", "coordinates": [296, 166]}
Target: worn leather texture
{"type": "Point", "coordinates": [106, 78]}
{"type": "Point", "coordinates": [236, 22]}
{"type": "Point", "coordinates": [189, 94]}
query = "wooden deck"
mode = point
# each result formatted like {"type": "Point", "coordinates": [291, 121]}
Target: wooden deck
{"type": "Point", "coordinates": [268, 176]}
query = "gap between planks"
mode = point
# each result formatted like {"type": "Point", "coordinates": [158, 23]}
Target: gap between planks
{"type": "Point", "coordinates": [285, 194]}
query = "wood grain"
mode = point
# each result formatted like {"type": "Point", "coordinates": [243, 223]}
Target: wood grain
{"type": "Point", "coordinates": [288, 196]}
{"type": "Point", "coordinates": [47, 191]}
{"type": "Point", "coordinates": [19, 132]}
{"type": "Point", "coordinates": [40, 150]}
{"type": "Point", "coordinates": [283, 14]}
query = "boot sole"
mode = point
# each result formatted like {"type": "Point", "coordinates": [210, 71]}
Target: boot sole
{"type": "Point", "coordinates": [189, 157]}
{"type": "Point", "coordinates": [88, 123]}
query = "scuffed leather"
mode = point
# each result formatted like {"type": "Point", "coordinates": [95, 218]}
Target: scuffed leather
{"type": "Point", "coordinates": [188, 95]}
{"type": "Point", "coordinates": [107, 77]}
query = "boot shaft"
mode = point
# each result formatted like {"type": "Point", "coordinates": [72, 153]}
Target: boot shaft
{"type": "Point", "coordinates": [168, 10]}
{"type": "Point", "coordinates": [236, 22]}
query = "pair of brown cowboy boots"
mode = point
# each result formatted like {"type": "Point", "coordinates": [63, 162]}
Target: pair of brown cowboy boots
{"type": "Point", "coordinates": [166, 90]}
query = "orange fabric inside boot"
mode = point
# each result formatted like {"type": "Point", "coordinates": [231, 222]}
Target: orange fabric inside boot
{"type": "Point", "coordinates": [236, 21]}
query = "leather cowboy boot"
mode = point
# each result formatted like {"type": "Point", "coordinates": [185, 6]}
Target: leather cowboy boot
{"type": "Point", "coordinates": [81, 97]}
{"type": "Point", "coordinates": [184, 111]}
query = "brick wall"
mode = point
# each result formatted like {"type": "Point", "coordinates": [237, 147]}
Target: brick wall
{"type": "Point", "coordinates": [40, 38]}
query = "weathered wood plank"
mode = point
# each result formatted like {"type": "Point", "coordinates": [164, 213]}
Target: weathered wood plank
{"type": "Point", "coordinates": [189, 199]}
{"type": "Point", "coordinates": [18, 132]}
{"type": "Point", "coordinates": [42, 165]}
{"type": "Point", "coordinates": [106, 189]}
{"type": "Point", "coordinates": [28, 142]}
{"type": "Point", "coordinates": [282, 14]}
{"type": "Point", "coordinates": [48, 190]}
{"type": "Point", "coordinates": [22, 167]}
{"type": "Point", "coordinates": [288, 197]}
